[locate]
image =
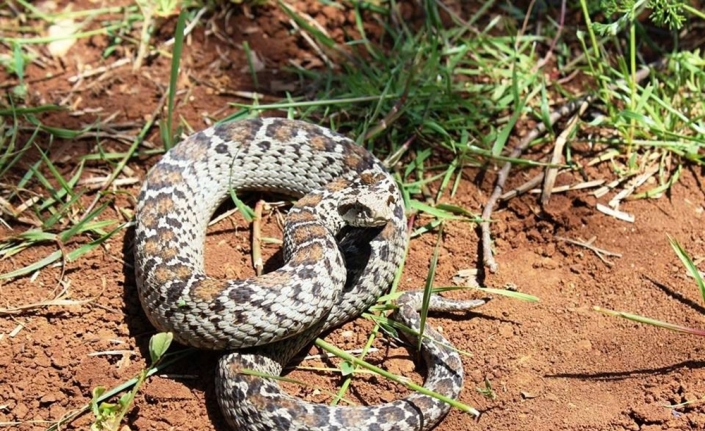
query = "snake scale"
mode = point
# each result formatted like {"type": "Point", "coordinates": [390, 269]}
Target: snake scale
{"type": "Point", "coordinates": [344, 240]}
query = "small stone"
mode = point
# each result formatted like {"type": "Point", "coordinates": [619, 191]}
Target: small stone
{"type": "Point", "coordinates": [60, 361]}
{"type": "Point", "coordinates": [653, 414]}
{"type": "Point", "coordinates": [48, 399]}
{"type": "Point", "coordinates": [5, 360]}
{"type": "Point", "coordinates": [56, 411]}
{"type": "Point", "coordinates": [400, 367]}
{"type": "Point", "coordinates": [551, 397]}
{"type": "Point", "coordinates": [42, 361]}
{"type": "Point", "coordinates": [387, 396]}
{"type": "Point", "coordinates": [476, 375]}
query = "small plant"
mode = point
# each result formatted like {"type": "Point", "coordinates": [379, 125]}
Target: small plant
{"type": "Point", "coordinates": [488, 391]}
{"type": "Point", "coordinates": [664, 13]}
{"type": "Point", "coordinates": [108, 416]}
{"type": "Point", "coordinates": [15, 64]}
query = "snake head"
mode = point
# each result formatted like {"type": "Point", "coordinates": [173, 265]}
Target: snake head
{"type": "Point", "coordinates": [371, 200]}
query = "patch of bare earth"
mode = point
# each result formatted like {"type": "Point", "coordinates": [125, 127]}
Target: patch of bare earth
{"type": "Point", "coordinates": [553, 365]}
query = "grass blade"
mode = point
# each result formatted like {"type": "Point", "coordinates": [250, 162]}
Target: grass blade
{"type": "Point", "coordinates": [689, 265]}
{"type": "Point", "coordinates": [167, 133]}
{"type": "Point", "coordinates": [428, 286]}
{"type": "Point", "coordinates": [393, 377]}
{"type": "Point", "coordinates": [653, 322]}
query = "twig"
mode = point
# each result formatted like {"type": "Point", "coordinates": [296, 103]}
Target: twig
{"type": "Point", "coordinates": [58, 301]}
{"type": "Point", "coordinates": [97, 182]}
{"type": "Point", "coordinates": [559, 30]}
{"type": "Point", "coordinates": [606, 188]}
{"type": "Point", "coordinates": [291, 10]}
{"type": "Point", "coordinates": [569, 187]}
{"type": "Point", "coordinates": [189, 28]}
{"type": "Point", "coordinates": [457, 18]}
{"type": "Point", "coordinates": [304, 34]}
{"type": "Point", "coordinates": [529, 185]}
{"type": "Point", "coordinates": [388, 119]}
{"type": "Point", "coordinates": [393, 158]}
{"type": "Point", "coordinates": [588, 244]}
{"type": "Point", "coordinates": [326, 355]}
{"type": "Point", "coordinates": [613, 212]}
{"type": "Point", "coordinates": [257, 238]}
{"type": "Point", "coordinates": [47, 77]}
{"type": "Point", "coordinates": [396, 110]}
{"type": "Point", "coordinates": [524, 25]}
{"type": "Point", "coordinates": [119, 137]}
{"type": "Point", "coordinates": [99, 70]}
{"type": "Point", "coordinates": [633, 184]}
{"type": "Point", "coordinates": [223, 216]}
{"type": "Point", "coordinates": [145, 34]}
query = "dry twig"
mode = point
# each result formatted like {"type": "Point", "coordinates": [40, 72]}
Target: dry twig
{"type": "Point", "coordinates": [552, 172]}
{"type": "Point", "coordinates": [257, 238]}
{"type": "Point", "coordinates": [588, 244]}
{"type": "Point", "coordinates": [60, 300]}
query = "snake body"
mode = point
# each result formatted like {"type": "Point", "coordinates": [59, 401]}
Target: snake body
{"type": "Point", "coordinates": [333, 271]}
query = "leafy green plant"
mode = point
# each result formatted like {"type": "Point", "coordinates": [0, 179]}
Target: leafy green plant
{"type": "Point", "coordinates": [15, 64]}
{"type": "Point", "coordinates": [108, 416]}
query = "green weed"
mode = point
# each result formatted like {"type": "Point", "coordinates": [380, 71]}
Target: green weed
{"type": "Point", "coordinates": [109, 415]}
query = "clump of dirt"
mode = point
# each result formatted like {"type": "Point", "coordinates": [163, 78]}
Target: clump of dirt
{"type": "Point", "coordinates": [555, 364]}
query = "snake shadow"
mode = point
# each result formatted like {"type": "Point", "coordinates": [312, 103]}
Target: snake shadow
{"type": "Point", "coordinates": [630, 374]}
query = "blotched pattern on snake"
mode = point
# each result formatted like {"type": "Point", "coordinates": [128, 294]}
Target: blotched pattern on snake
{"type": "Point", "coordinates": [343, 243]}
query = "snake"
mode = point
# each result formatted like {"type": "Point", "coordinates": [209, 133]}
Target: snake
{"type": "Point", "coordinates": [345, 238]}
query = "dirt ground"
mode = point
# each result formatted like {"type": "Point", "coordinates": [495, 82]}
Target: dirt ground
{"type": "Point", "coordinates": [553, 365]}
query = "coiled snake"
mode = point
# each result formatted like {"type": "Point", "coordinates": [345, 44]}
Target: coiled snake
{"type": "Point", "coordinates": [353, 207]}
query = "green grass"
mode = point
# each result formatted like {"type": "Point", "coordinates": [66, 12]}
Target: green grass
{"type": "Point", "coordinates": [445, 99]}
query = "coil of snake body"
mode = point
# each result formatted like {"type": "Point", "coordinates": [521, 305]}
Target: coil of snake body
{"type": "Point", "coordinates": [333, 272]}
